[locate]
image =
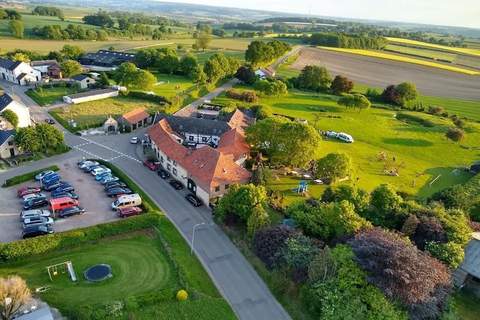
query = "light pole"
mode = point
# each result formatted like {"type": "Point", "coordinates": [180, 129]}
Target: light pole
{"type": "Point", "coordinates": [193, 234]}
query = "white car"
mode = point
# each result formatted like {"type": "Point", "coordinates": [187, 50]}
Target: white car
{"type": "Point", "coordinates": [345, 137]}
{"type": "Point", "coordinates": [134, 140]}
{"type": "Point", "coordinates": [32, 196]}
{"type": "Point", "coordinates": [40, 176]}
{"type": "Point", "coordinates": [34, 221]}
{"type": "Point", "coordinates": [35, 213]}
{"type": "Point", "coordinates": [100, 170]}
{"type": "Point", "coordinates": [88, 164]}
{"type": "Point", "coordinates": [331, 134]}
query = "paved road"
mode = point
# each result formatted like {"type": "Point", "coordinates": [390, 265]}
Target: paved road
{"type": "Point", "coordinates": [382, 72]}
{"type": "Point", "coordinates": [233, 275]}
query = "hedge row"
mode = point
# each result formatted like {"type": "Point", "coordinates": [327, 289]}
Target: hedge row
{"type": "Point", "coordinates": [27, 176]}
{"type": "Point", "coordinates": [148, 97]}
{"type": "Point", "coordinates": [26, 248]}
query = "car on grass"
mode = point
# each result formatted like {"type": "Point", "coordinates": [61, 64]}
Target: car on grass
{"type": "Point", "coordinates": [114, 184]}
{"type": "Point", "coordinates": [114, 192]}
{"type": "Point", "coordinates": [35, 231]}
{"type": "Point", "coordinates": [35, 203]}
{"type": "Point", "coordinates": [134, 140]}
{"type": "Point", "coordinates": [68, 212]}
{"type": "Point", "coordinates": [331, 134]}
{"type": "Point", "coordinates": [35, 221]}
{"type": "Point", "coordinates": [194, 200]}
{"type": "Point", "coordinates": [49, 121]}
{"type": "Point", "coordinates": [129, 212]}
{"type": "Point", "coordinates": [27, 190]}
{"type": "Point", "coordinates": [42, 174]}
{"type": "Point", "coordinates": [33, 196]}
{"type": "Point", "coordinates": [345, 137]}
{"type": "Point", "coordinates": [164, 174]}
{"type": "Point", "coordinates": [62, 194]}
{"type": "Point", "coordinates": [35, 213]}
{"type": "Point", "coordinates": [109, 179]}
{"type": "Point", "coordinates": [177, 185]}
{"type": "Point", "coordinates": [152, 165]}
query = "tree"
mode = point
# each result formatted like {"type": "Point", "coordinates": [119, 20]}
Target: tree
{"type": "Point", "coordinates": [126, 74]}
{"type": "Point", "coordinates": [334, 166]}
{"type": "Point", "coordinates": [240, 201]}
{"type": "Point", "coordinates": [20, 56]}
{"type": "Point", "coordinates": [341, 85]}
{"type": "Point", "coordinates": [203, 40]}
{"type": "Point", "coordinates": [297, 254]}
{"type": "Point", "coordinates": [144, 80]}
{"type": "Point", "coordinates": [358, 197]}
{"type": "Point", "coordinates": [71, 52]}
{"type": "Point", "coordinates": [455, 134]}
{"type": "Point", "coordinates": [385, 202]}
{"type": "Point", "coordinates": [257, 220]}
{"type": "Point", "coordinates": [271, 87]}
{"type": "Point", "coordinates": [104, 81]}
{"type": "Point", "coordinates": [284, 142]}
{"type": "Point", "coordinates": [213, 70]}
{"type": "Point", "coordinates": [3, 14]}
{"type": "Point", "coordinates": [101, 19]}
{"type": "Point", "coordinates": [403, 272]}
{"type": "Point", "coordinates": [354, 101]}
{"type": "Point", "coordinates": [429, 229]}
{"type": "Point", "coordinates": [407, 92]}
{"type": "Point", "coordinates": [41, 138]}
{"type": "Point", "coordinates": [199, 76]}
{"type": "Point", "coordinates": [11, 117]}
{"type": "Point", "coordinates": [269, 242]}
{"type": "Point", "coordinates": [16, 28]}
{"type": "Point", "coordinates": [188, 65]}
{"type": "Point", "coordinates": [14, 294]}
{"type": "Point", "coordinates": [314, 78]}
{"type": "Point", "coordinates": [246, 74]}
{"type": "Point", "coordinates": [391, 95]}
{"type": "Point", "coordinates": [258, 53]}
{"type": "Point", "coordinates": [262, 111]}
{"type": "Point", "coordinates": [71, 68]}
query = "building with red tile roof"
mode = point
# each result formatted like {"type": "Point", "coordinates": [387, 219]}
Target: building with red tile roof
{"type": "Point", "coordinates": [134, 119]}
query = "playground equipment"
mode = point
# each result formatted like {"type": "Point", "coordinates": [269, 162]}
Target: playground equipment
{"type": "Point", "coordinates": [64, 267]}
{"type": "Point", "coordinates": [302, 187]}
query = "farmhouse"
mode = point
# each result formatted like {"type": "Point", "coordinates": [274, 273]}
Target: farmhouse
{"type": "Point", "coordinates": [265, 73]}
{"type": "Point", "coordinates": [18, 72]}
{"type": "Point", "coordinates": [8, 148]}
{"type": "Point", "coordinates": [48, 68]}
{"type": "Point", "coordinates": [134, 119]}
{"type": "Point", "coordinates": [22, 112]}
{"type": "Point", "coordinates": [83, 81]}
{"type": "Point", "coordinates": [105, 60]}
{"type": "Point", "coordinates": [90, 96]}
{"type": "Point", "coordinates": [468, 274]}
{"type": "Point", "coordinates": [206, 172]}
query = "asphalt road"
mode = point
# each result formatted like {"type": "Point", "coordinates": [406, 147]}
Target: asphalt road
{"type": "Point", "coordinates": [233, 275]}
{"type": "Point", "coordinates": [382, 72]}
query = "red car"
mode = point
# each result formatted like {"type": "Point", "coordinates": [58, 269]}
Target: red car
{"type": "Point", "coordinates": [151, 165]}
{"type": "Point", "coordinates": [128, 212]}
{"type": "Point", "coordinates": [28, 190]}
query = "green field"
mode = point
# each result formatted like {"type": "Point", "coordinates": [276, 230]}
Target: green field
{"type": "Point", "coordinates": [170, 86]}
{"type": "Point", "coordinates": [422, 52]}
{"type": "Point", "coordinates": [44, 95]}
{"type": "Point", "coordinates": [416, 149]}
{"type": "Point", "coordinates": [470, 51]}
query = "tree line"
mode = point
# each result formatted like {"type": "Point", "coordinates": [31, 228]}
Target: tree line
{"type": "Point", "coordinates": [48, 11]}
{"type": "Point", "coordinates": [261, 53]}
{"type": "Point", "coordinates": [10, 14]}
{"type": "Point", "coordinates": [339, 40]}
{"type": "Point", "coordinates": [71, 32]}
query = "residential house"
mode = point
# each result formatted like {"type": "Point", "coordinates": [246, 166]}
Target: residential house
{"type": "Point", "coordinates": [8, 147]}
{"type": "Point", "coordinates": [265, 73]}
{"type": "Point", "coordinates": [105, 60]}
{"type": "Point", "coordinates": [205, 171]}
{"type": "Point", "coordinates": [468, 274]}
{"type": "Point", "coordinates": [48, 68]}
{"type": "Point", "coordinates": [23, 113]}
{"type": "Point", "coordinates": [90, 96]}
{"type": "Point", "coordinates": [83, 81]}
{"type": "Point", "coordinates": [18, 72]}
{"type": "Point", "coordinates": [134, 119]}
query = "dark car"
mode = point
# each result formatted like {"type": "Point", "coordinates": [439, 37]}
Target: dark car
{"type": "Point", "coordinates": [113, 192]}
{"type": "Point", "coordinates": [68, 212]}
{"type": "Point", "coordinates": [49, 121]}
{"type": "Point", "coordinates": [151, 165]}
{"type": "Point", "coordinates": [194, 200]}
{"type": "Point", "coordinates": [35, 203]}
{"type": "Point", "coordinates": [52, 186]}
{"type": "Point", "coordinates": [72, 195]}
{"type": "Point", "coordinates": [114, 184]}
{"type": "Point", "coordinates": [129, 211]}
{"type": "Point", "coordinates": [64, 187]}
{"type": "Point", "coordinates": [177, 185]}
{"type": "Point", "coordinates": [35, 231]}
{"type": "Point", "coordinates": [164, 174]}
{"type": "Point", "coordinates": [50, 179]}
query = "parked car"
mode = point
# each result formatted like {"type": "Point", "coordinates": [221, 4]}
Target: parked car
{"type": "Point", "coordinates": [58, 204]}
{"type": "Point", "coordinates": [134, 140]}
{"type": "Point", "coordinates": [99, 170]}
{"type": "Point", "coordinates": [90, 167]}
{"type": "Point", "coordinates": [49, 121]}
{"type": "Point", "coordinates": [164, 174]}
{"type": "Point", "coordinates": [42, 174]}
{"type": "Point", "coordinates": [194, 200]}
{"type": "Point", "coordinates": [35, 221]}
{"type": "Point", "coordinates": [113, 192]}
{"type": "Point", "coordinates": [35, 203]}
{"type": "Point", "coordinates": [64, 187]}
{"type": "Point", "coordinates": [331, 134]}
{"type": "Point", "coordinates": [109, 179]}
{"type": "Point", "coordinates": [35, 231]}
{"type": "Point", "coordinates": [85, 163]}
{"type": "Point", "coordinates": [33, 196]}
{"type": "Point", "coordinates": [151, 165]}
{"type": "Point", "coordinates": [100, 176]}
{"type": "Point", "coordinates": [50, 178]}
{"type": "Point", "coordinates": [27, 190]}
{"type": "Point", "coordinates": [345, 137]}
{"type": "Point", "coordinates": [72, 211]}
{"type": "Point", "coordinates": [35, 213]}
{"type": "Point", "coordinates": [62, 193]}
{"type": "Point", "coordinates": [53, 186]}
{"type": "Point", "coordinates": [114, 184]}
{"type": "Point", "coordinates": [129, 211]}
{"type": "Point", "coordinates": [125, 201]}
{"type": "Point", "coordinates": [177, 185]}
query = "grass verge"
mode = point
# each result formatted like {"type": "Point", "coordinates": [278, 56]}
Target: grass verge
{"type": "Point", "coordinates": [27, 176]}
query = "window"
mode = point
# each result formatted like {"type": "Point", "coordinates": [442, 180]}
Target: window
{"type": "Point", "coordinates": [227, 186]}
{"type": "Point", "coordinates": [191, 138]}
{"type": "Point", "coordinates": [169, 167]}
{"type": "Point", "coordinates": [174, 171]}
{"type": "Point", "coordinates": [204, 139]}
{"type": "Point", "coordinates": [161, 159]}
{"type": "Point", "coordinates": [168, 159]}
{"type": "Point", "coordinates": [174, 163]}
{"type": "Point", "coordinates": [217, 188]}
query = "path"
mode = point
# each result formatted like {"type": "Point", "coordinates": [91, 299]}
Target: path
{"type": "Point", "coordinates": [233, 275]}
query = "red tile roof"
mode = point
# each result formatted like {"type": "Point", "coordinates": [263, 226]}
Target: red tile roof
{"type": "Point", "coordinates": [239, 120]}
{"type": "Point", "coordinates": [135, 115]}
{"type": "Point", "coordinates": [208, 167]}
{"type": "Point", "coordinates": [233, 142]}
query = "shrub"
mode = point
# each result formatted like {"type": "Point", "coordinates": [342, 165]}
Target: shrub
{"type": "Point", "coordinates": [435, 110]}
{"type": "Point", "coordinates": [455, 134]}
{"type": "Point", "coordinates": [268, 243]}
{"type": "Point", "coordinates": [262, 111]}
{"type": "Point", "coordinates": [27, 176]}
{"type": "Point", "coordinates": [341, 85]}
{"type": "Point", "coordinates": [271, 87]}
{"type": "Point", "coordinates": [148, 97]}
{"type": "Point", "coordinates": [11, 117]}
{"type": "Point", "coordinates": [409, 118]}
{"type": "Point", "coordinates": [334, 166]}
{"type": "Point", "coordinates": [245, 96]}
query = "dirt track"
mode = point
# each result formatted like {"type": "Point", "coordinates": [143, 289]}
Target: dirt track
{"type": "Point", "coordinates": [381, 72]}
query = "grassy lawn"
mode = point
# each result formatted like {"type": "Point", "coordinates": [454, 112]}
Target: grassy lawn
{"type": "Point", "coordinates": [416, 149]}
{"type": "Point", "coordinates": [171, 85]}
{"type": "Point", "coordinates": [468, 305]}
{"type": "Point", "coordinates": [44, 96]}
{"type": "Point", "coordinates": [96, 112]}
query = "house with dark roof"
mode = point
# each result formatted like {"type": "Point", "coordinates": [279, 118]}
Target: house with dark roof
{"type": "Point", "coordinates": [83, 81]}
{"type": "Point", "coordinates": [90, 95]}
{"type": "Point", "coordinates": [22, 112]}
{"type": "Point", "coordinates": [105, 60]}
{"type": "Point", "coordinates": [8, 147]}
{"type": "Point", "coordinates": [207, 172]}
{"type": "Point", "coordinates": [18, 72]}
{"type": "Point", "coordinates": [468, 274]}
{"type": "Point", "coordinates": [48, 68]}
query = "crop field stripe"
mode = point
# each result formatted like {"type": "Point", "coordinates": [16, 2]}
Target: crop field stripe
{"type": "Point", "coordinates": [474, 52]}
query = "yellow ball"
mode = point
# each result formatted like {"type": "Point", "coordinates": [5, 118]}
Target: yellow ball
{"type": "Point", "coordinates": [182, 295]}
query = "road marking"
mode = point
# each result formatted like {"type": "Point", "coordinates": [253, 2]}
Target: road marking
{"type": "Point", "coordinates": [89, 153]}
{"type": "Point", "coordinates": [119, 154]}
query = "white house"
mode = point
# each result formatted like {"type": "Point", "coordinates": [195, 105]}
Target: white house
{"type": "Point", "coordinates": [23, 113]}
{"type": "Point", "coordinates": [90, 96]}
{"type": "Point", "coordinates": [8, 147]}
{"type": "Point", "coordinates": [18, 72]}
{"type": "Point", "coordinates": [84, 81]}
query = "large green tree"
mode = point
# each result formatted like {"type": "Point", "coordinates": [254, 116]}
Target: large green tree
{"type": "Point", "coordinates": [355, 101]}
{"type": "Point", "coordinates": [16, 28]}
{"type": "Point", "coordinates": [314, 78]}
{"type": "Point", "coordinates": [71, 52]}
{"type": "Point", "coordinates": [241, 201]}
{"type": "Point", "coordinates": [128, 75]}
{"type": "Point", "coordinates": [334, 166]}
{"type": "Point", "coordinates": [71, 68]}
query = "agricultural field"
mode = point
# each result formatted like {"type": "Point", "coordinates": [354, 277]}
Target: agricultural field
{"type": "Point", "coordinates": [470, 51]}
{"type": "Point", "coordinates": [421, 52]}
{"type": "Point", "coordinates": [381, 143]}
{"type": "Point", "coordinates": [45, 96]}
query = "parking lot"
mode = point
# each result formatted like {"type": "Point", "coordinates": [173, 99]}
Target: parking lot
{"type": "Point", "coordinates": [91, 194]}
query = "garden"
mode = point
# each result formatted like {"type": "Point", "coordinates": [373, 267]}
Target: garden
{"type": "Point", "coordinates": [46, 95]}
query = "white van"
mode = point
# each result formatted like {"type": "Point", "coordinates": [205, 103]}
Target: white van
{"type": "Point", "coordinates": [125, 201]}
{"type": "Point", "coordinates": [345, 137]}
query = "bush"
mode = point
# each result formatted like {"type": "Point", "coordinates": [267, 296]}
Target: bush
{"type": "Point", "coordinates": [435, 110]}
{"type": "Point", "coordinates": [334, 166]}
{"type": "Point", "coordinates": [11, 117]}
{"type": "Point", "coordinates": [148, 97]}
{"type": "Point", "coordinates": [268, 243]}
{"type": "Point", "coordinates": [455, 134]}
{"type": "Point", "coordinates": [27, 176]}
{"type": "Point", "coordinates": [245, 96]}
{"type": "Point", "coordinates": [409, 118]}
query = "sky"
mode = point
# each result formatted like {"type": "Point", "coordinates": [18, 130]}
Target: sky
{"type": "Point", "coordinates": [441, 12]}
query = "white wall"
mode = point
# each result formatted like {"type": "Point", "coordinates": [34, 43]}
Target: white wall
{"type": "Point", "coordinates": [22, 112]}
{"type": "Point", "coordinates": [5, 148]}
{"type": "Point", "coordinates": [91, 98]}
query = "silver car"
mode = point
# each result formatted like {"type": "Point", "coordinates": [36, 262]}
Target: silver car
{"type": "Point", "coordinates": [37, 221]}
{"type": "Point", "coordinates": [35, 213]}
{"type": "Point", "coordinates": [32, 196]}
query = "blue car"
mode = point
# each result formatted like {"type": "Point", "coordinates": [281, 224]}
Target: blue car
{"type": "Point", "coordinates": [109, 179]}
{"type": "Point", "coordinates": [65, 187]}
{"type": "Point", "coordinates": [52, 186]}
{"type": "Point", "coordinates": [103, 175]}
{"type": "Point", "coordinates": [72, 195]}
{"type": "Point", "coordinates": [51, 178]}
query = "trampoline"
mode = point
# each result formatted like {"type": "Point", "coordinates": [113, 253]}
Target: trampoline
{"type": "Point", "coordinates": [98, 272]}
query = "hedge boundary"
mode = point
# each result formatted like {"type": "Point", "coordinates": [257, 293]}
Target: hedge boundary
{"type": "Point", "coordinates": [27, 176]}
